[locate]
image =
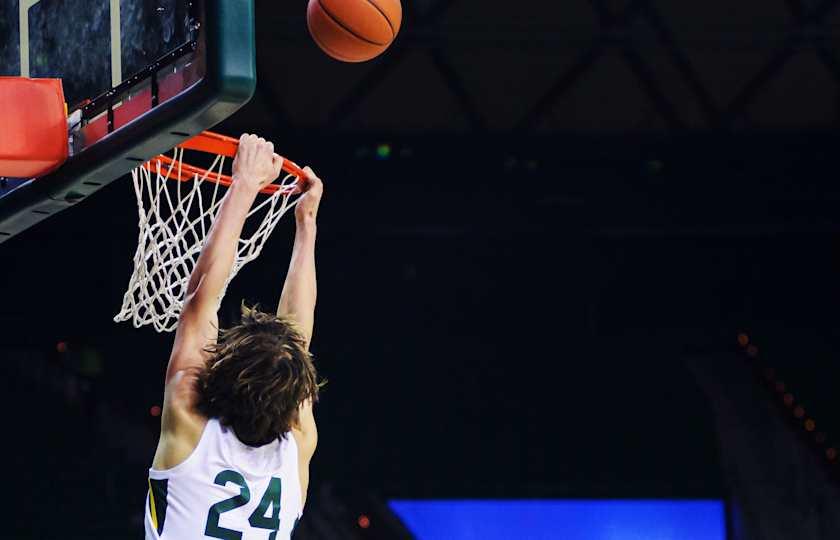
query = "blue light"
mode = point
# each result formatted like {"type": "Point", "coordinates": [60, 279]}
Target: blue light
{"type": "Point", "coordinates": [563, 519]}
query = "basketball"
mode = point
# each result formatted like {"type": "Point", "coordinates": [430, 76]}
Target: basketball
{"type": "Point", "coordinates": [354, 30]}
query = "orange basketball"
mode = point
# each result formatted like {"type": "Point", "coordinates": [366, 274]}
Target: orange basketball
{"type": "Point", "coordinates": [354, 30]}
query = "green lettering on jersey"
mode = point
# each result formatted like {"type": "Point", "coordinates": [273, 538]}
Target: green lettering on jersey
{"type": "Point", "coordinates": [258, 519]}
{"type": "Point", "coordinates": [271, 498]}
{"type": "Point", "coordinates": [212, 528]}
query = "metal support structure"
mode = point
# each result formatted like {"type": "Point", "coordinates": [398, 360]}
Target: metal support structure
{"type": "Point", "coordinates": [450, 76]}
{"type": "Point", "coordinates": [682, 62]}
{"type": "Point", "coordinates": [375, 77]}
{"type": "Point", "coordinates": [632, 32]}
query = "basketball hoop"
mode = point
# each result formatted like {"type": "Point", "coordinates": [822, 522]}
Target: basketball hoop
{"type": "Point", "coordinates": [177, 203]}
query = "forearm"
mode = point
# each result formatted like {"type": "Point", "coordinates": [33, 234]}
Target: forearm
{"type": "Point", "coordinates": [219, 252]}
{"type": "Point", "coordinates": [254, 166]}
{"type": "Point", "coordinates": [300, 289]}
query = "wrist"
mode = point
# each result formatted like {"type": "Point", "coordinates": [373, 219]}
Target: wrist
{"type": "Point", "coordinates": [242, 185]}
{"type": "Point", "coordinates": [242, 193]}
{"type": "Point", "coordinates": [306, 223]}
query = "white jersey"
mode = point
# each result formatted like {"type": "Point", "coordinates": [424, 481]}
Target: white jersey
{"type": "Point", "coordinates": [227, 489]}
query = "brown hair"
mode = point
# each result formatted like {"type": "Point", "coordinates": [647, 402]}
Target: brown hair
{"type": "Point", "coordinates": [258, 374]}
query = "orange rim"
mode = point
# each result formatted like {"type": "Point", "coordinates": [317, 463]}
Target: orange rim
{"type": "Point", "coordinates": [214, 143]}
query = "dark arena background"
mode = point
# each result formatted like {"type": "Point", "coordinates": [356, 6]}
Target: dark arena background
{"type": "Point", "coordinates": [572, 257]}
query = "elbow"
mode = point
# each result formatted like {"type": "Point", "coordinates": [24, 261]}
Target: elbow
{"type": "Point", "coordinates": [192, 305]}
{"type": "Point", "coordinates": [197, 297]}
{"type": "Point", "coordinates": [194, 285]}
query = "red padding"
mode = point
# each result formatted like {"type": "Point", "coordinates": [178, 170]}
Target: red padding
{"type": "Point", "coordinates": [33, 139]}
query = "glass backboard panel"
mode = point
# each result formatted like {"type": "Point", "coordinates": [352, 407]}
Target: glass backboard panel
{"type": "Point", "coordinates": [141, 77]}
{"type": "Point", "coordinates": [92, 45]}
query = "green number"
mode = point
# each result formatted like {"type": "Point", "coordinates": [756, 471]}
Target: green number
{"type": "Point", "coordinates": [258, 519]}
{"type": "Point", "coordinates": [212, 528]}
{"type": "Point", "coordinates": [271, 498]}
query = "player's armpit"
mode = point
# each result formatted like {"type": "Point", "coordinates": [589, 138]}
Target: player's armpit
{"type": "Point", "coordinates": [179, 398]}
{"type": "Point", "coordinates": [181, 424]}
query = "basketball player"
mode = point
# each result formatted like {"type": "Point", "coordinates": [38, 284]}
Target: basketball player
{"type": "Point", "coordinates": [237, 429]}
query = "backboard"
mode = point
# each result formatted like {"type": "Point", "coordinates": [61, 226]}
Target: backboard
{"type": "Point", "coordinates": [140, 75]}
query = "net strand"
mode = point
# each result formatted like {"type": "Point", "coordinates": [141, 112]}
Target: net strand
{"type": "Point", "coordinates": [174, 222]}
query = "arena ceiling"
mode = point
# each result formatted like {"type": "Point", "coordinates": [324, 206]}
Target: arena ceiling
{"type": "Point", "coordinates": [592, 66]}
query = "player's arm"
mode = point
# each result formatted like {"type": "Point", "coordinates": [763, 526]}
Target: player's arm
{"type": "Point", "coordinates": [254, 166]}
{"type": "Point", "coordinates": [298, 302]}
{"type": "Point", "coordinates": [300, 290]}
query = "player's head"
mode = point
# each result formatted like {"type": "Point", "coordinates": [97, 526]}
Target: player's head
{"type": "Point", "coordinates": [258, 374]}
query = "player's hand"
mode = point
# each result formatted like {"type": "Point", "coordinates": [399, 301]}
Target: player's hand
{"type": "Point", "coordinates": [307, 206]}
{"type": "Point", "coordinates": [256, 165]}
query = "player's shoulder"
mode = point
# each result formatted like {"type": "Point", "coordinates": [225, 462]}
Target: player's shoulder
{"type": "Point", "coordinates": [306, 431]}
{"type": "Point", "coordinates": [306, 442]}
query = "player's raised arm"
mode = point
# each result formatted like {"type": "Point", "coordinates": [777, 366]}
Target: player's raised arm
{"type": "Point", "coordinates": [297, 302]}
{"type": "Point", "coordinates": [254, 166]}
{"type": "Point", "coordinates": [300, 289]}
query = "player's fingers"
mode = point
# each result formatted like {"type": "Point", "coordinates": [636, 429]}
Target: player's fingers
{"type": "Point", "coordinates": [246, 144]}
{"type": "Point", "coordinates": [277, 162]}
{"type": "Point", "coordinates": [306, 179]}
{"type": "Point", "coordinates": [313, 183]}
{"type": "Point", "coordinates": [311, 175]}
{"type": "Point", "coordinates": [240, 148]}
{"type": "Point", "coordinates": [267, 148]}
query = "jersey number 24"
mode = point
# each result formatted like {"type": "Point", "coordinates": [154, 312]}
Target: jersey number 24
{"type": "Point", "coordinates": [258, 518]}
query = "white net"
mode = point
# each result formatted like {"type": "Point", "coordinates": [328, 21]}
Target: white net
{"type": "Point", "coordinates": [175, 218]}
